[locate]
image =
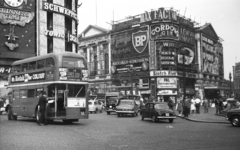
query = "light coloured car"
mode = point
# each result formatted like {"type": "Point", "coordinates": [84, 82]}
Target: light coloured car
{"type": "Point", "coordinates": [95, 106]}
{"type": "Point", "coordinates": [127, 106]}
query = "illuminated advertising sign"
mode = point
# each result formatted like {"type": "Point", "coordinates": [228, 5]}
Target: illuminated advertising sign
{"type": "Point", "coordinates": [186, 35]}
{"type": "Point", "coordinates": [162, 14]}
{"type": "Point", "coordinates": [164, 31]}
{"type": "Point", "coordinates": [212, 57]}
{"type": "Point", "coordinates": [17, 21]}
{"type": "Point", "coordinates": [28, 77]}
{"type": "Point", "coordinates": [166, 53]}
{"type": "Point", "coordinates": [167, 92]}
{"type": "Point", "coordinates": [131, 67]}
{"type": "Point", "coordinates": [159, 73]}
{"type": "Point", "coordinates": [166, 83]}
{"type": "Point", "coordinates": [131, 43]}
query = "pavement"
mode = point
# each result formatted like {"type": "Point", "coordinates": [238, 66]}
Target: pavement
{"type": "Point", "coordinates": [209, 117]}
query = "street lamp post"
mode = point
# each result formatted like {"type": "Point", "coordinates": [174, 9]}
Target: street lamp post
{"type": "Point", "coordinates": [230, 78]}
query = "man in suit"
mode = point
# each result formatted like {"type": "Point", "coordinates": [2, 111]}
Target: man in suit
{"type": "Point", "coordinates": [42, 104]}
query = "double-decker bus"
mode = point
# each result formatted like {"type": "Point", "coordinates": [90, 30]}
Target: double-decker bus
{"type": "Point", "coordinates": [60, 75]}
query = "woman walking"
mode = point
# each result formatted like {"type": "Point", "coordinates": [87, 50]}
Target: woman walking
{"type": "Point", "coordinates": [192, 107]}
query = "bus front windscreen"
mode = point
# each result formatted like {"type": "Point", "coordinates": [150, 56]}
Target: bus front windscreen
{"type": "Point", "coordinates": [73, 62]}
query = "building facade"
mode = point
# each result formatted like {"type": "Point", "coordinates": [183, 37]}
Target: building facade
{"type": "Point", "coordinates": [165, 55]}
{"type": "Point", "coordinates": [94, 44]}
{"type": "Point", "coordinates": [236, 80]}
{"type": "Point", "coordinates": [29, 28]}
{"type": "Point", "coordinates": [211, 83]}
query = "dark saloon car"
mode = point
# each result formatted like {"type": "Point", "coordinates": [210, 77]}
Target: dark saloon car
{"type": "Point", "coordinates": [234, 117]}
{"type": "Point", "coordinates": [157, 111]}
{"type": "Point", "coordinates": [127, 106]}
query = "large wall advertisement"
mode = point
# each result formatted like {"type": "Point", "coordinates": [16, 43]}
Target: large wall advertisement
{"type": "Point", "coordinates": [17, 20]}
{"type": "Point", "coordinates": [212, 55]}
{"type": "Point", "coordinates": [130, 53]}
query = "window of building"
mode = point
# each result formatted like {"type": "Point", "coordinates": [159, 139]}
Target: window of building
{"type": "Point", "coordinates": [31, 93]}
{"type": "Point", "coordinates": [40, 64]}
{"type": "Point", "coordinates": [68, 4]}
{"type": "Point", "coordinates": [50, 1]}
{"type": "Point", "coordinates": [50, 44]}
{"type": "Point", "coordinates": [49, 20]}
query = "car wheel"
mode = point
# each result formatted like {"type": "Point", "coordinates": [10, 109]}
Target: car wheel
{"type": "Point", "coordinates": [108, 113]}
{"type": "Point", "coordinates": [142, 117]}
{"type": "Point", "coordinates": [170, 120]}
{"type": "Point", "coordinates": [235, 121]}
{"type": "Point", "coordinates": [118, 115]}
{"type": "Point", "coordinates": [154, 119]}
{"type": "Point", "coordinates": [95, 111]}
{"type": "Point", "coordinates": [136, 113]}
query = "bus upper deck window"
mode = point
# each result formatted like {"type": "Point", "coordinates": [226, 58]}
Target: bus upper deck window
{"type": "Point", "coordinates": [32, 65]}
{"type": "Point", "coordinates": [40, 64]}
{"type": "Point", "coordinates": [50, 62]}
{"type": "Point", "coordinates": [25, 67]}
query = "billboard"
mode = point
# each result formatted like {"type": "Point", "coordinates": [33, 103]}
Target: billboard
{"type": "Point", "coordinates": [17, 19]}
{"type": "Point", "coordinates": [212, 57]}
{"type": "Point", "coordinates": [130, 43]}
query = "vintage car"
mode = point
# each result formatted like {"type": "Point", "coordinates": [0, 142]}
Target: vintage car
{"type": "Point", "coordinates": [127, 106]}
{"type": "Point", "coordinates": [95, 106]}
{"type": "Point", "coordinates": [233, 116]}
{"type": "Point", "coordinates": [111, 104]}
{"type": "Point", "coordinates": [157, 111]}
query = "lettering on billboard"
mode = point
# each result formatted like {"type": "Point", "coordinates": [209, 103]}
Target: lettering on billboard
{"type": "Point", "coordinates": [15, 17]}
{"type": "Point", "coordinates": [5, 69]}
{"type": "Point", "coordinates": [167, 92]}
{"type": "Point", "coordinates": [186, 35]}
{"type": "Point", "coordinates": [163, 83]}
{"type": "Point", "coordinates": [166, 53]}
{"type": "Point", "coordinates": [161, 14]}
{"type": "Point", "coordinates": [54, 34]}
{"type": "Point", "coordinates": [212, 57]}
{"type": "Point", "coordinates": [28, 77]}
{"type": "Point", "coordinates": [59, 9]}
{"type": "Point", "coordinates": [159, 73]}
{"type": "Point", "coordinates": [164, 31]}
{"type": "Point", "coordinates": [140, 40]}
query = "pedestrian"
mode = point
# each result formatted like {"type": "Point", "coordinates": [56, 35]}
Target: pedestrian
{"type": "Point", "coordinates": [179, 107]}
{"type": "Point", "coordinates": [216, 102]}
{"type": "Point", "coordinates": [205, 105]}
{"type": "Point", "coordinates": [197, 104]}
{"type": "Point", "coordinates": [186, 107]}
{"type": "Point", "coordinates": [192, 107]}
{"type": "Point", "coordinates": [220, 105]}
{"type": "Point", "coordinates": [42, 104]}
{"type": "Point", "coordinates": [170, 103]}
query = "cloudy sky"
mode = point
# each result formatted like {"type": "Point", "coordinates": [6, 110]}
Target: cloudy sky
{"type": "Point", "coordinates": [224, 15]}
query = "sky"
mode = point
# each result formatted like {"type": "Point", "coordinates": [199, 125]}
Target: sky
{"type": "Point", "coordinates": [224, 16]}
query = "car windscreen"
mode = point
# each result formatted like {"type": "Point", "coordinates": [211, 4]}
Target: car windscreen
{"type": "Point", "coordinates": [127, 102]}
{"type": "Point", "coordinates": [161, 106]}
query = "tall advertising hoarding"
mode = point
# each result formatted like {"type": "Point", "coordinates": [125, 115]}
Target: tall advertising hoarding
{"type": "Point", "coordinates": [130, 53]}
{"type": "Point", "coordinates": [17, 36]}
